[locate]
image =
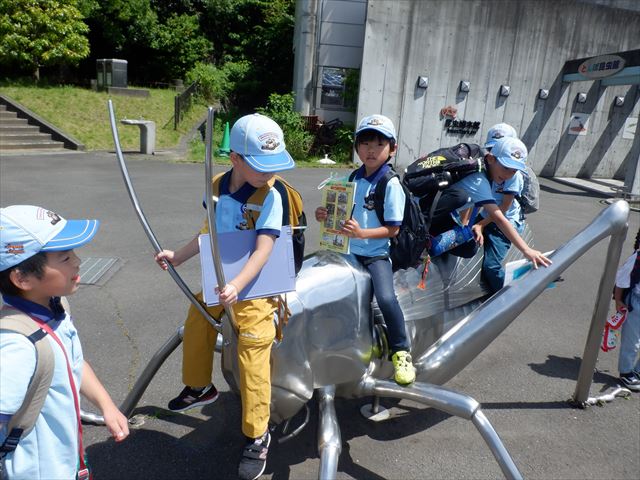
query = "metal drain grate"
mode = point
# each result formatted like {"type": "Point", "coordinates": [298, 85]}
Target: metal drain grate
{"type": "Point", "coordinates": [93, 269]}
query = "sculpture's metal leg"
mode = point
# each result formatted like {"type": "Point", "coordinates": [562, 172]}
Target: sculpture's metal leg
{"type": "Point", "coordinates": [599, 317]}
{"type": "Point", "coordinates": [329, 441]}
{"type": "Point", "coordinates": [498, 449]}
{"type": "Point", "coordinates": [450, 402]}
{"type": "Point", "coordinates": [462, 343]}
{"type": "Point", "coordinates": [149, 372]}
{"type": "Point", "coordinates": [298, 429]}
{"type": "Point", "coordinates": [143, 381]}
{"type": "Point", "coordinates": [374, 412]}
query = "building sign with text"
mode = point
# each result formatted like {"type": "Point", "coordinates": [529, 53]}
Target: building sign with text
{"type": "Point", "coordinates": [602, 66]}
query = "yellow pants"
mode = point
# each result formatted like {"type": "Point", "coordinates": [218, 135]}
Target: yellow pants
{"type": "Point", "coordinates": [255, 337]}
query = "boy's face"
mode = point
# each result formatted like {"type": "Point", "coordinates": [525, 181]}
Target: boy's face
{"type": "Point", "coordinates": [59, 278]}
{"type": "Point", "coordinates": [374, 152]}
{"type": "Point", "coordinates": [497, 172]}
{"type": "Point", "coordinates": [247, 174]}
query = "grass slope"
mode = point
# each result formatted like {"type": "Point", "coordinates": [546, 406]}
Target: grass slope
{"type": "Point", "coordinates": [83, 114]}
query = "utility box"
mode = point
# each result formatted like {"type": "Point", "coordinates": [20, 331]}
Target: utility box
{"type": "Point", "coordinates": [111, 72]}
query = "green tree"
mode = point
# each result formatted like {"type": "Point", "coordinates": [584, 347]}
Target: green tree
{"type": "Point", "coordinates": [121, 29]}
{"type": "Point", "coordinates": [218, 84]}
{"type": "Point", "coordinates": [256, 31]}
{"type": "Point", "coordinates": [179, 45]}
{"type": "Point", "coordinates": [36, 33]}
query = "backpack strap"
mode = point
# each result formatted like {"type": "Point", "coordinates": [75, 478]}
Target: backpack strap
{"type": "Point", "coordinates": [215, 182]}
{"type": "Point", "coordinates": [380, 192]}
{"type": "Point", "coordinates": [257, 199]}
{"type": "Point", "coordinates": [23, 421]}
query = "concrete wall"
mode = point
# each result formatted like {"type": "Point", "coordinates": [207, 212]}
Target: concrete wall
{"type": "Point", "coordinates": [520, 43]}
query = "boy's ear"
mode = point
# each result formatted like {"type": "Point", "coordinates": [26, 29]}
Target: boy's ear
{"type": "Point", "coordinates": [21, 280]}
{"type": "Point", "coordinates": [235, 158]}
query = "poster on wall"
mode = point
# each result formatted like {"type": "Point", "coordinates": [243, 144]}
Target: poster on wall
{"type": "Point", "coordinates": [578, 124]}
{"type": "Point", "coordinates": [630, 127]}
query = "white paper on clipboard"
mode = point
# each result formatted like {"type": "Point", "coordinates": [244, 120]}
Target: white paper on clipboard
{"type": "Point", "coordinates": [277, 276]}
{"type": "Point", "coordinates": [514, 270]}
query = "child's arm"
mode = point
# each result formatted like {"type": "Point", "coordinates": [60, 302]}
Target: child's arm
{"type": "Point", "coordinates": [535, 256]}
{"type": "Point", "coordinates": [179, 256]}
{"type": "Point", "coordinates": [264, 245]}
{"type": "Point", "coordinates": [91, 388]}
{"type": "Point", "coordinates": [617, 297]}
{"type": "Point", "coordinates": [352, 229]}
{"type": "Point", "coordinates": [507, 200]}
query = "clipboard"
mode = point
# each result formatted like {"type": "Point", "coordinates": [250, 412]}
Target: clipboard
{"type": "Point", "coordinates": [277, 276]}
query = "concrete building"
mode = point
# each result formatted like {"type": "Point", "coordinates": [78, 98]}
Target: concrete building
{"type": "Point", "coordinates": [445, 71]}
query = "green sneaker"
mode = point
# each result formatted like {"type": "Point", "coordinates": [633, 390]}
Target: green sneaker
{"type": "Point", "coordinates": [405, 372]}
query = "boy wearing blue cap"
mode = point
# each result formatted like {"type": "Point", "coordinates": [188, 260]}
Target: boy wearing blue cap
{"type": "Point", "coordinates": [257, 152]}
{"type": "Point", "coordinates": [508, 156]}
{"type": "Point", "coordinates": [37, 267]}
{"type": "Point", "coordinates": [496, 244]}
{"type": "Point", "coordinates": [375, 144]}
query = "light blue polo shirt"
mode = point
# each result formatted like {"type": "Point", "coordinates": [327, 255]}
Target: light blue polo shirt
{"type": "Point", "coordinates": [50, 450]}
{"type": "Point", "coordinates": [478, 187]}
{"type": "Point", "coordinates": [364, 212]}
{"type": "Point", "coordinates": [231, 206]}
{"type": "Point", "coordinates": [512, 186]}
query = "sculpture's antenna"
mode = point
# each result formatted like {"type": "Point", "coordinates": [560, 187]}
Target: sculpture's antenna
{"type": "Point", "coordinates": [145, 224]}
{"type": "Point", "coordinates": [210, 202]}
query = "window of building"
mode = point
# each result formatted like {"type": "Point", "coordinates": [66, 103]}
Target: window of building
{"type": "Point", "coordinates": [335, 83]}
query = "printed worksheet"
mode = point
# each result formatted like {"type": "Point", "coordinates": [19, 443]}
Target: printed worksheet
{"type": "Point", "coordinates": [337, 198]}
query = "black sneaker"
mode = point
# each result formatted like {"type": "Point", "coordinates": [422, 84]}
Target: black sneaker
{"type": "Point", "coordinates": [631, 381]}
{"type": "Point", "coordinates": [191, 397]}
{"type": "Point", "coordinates": [254, 458]}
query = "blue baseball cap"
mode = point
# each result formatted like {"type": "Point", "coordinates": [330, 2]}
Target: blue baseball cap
{"type": "Point", "coordinates": [260, 141]}
{"type": "Point", "coordinates": [498, 131]}
{"type": "Point", "coordinates": [511, 153]}
{"type": "Point", "coordinates": [379, 123]}
{"type": "Point", "coordinates": [26, 230]}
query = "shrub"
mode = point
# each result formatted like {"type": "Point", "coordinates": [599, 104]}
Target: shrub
{"type": "Point", "coordinates": [342, 150]}
{"type": "Point", "coordinates": [218, 84]}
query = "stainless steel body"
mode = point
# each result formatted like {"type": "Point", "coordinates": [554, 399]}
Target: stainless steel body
{"type": "Point", "coordinates": [333, 342]}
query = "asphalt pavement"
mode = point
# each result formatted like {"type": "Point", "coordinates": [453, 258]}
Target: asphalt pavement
{"type": "Point", "coordinates": [523, 379]}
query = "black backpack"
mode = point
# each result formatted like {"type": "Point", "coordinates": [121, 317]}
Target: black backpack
{"type": "Point", "coordinates": [443, 167]}
{"type": "Point", "coordinates": [406, 247]}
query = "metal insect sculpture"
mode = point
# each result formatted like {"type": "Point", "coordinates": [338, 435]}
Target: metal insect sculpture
{"type": "Point", "coordinates": [334, 343]}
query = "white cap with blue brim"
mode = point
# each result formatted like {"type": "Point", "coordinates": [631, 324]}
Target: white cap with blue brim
{"type": "Point", "coordinates": [511, 153]}
{"type": "Point", "coordinates": [26, 230]}
{"type": "Point", "coordinates": [379, 123]}
{"type": "Point", "coordinates": [260, 141]}
{"type": "Point", "coordinates": [498, 131]}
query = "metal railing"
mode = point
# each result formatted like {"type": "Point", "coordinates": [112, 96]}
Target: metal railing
{"type": "Point", "coordinates": [182, 103]}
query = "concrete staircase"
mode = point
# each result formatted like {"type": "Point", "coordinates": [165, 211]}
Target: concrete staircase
{"type": "Point", "coordinates": [17, 134]}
